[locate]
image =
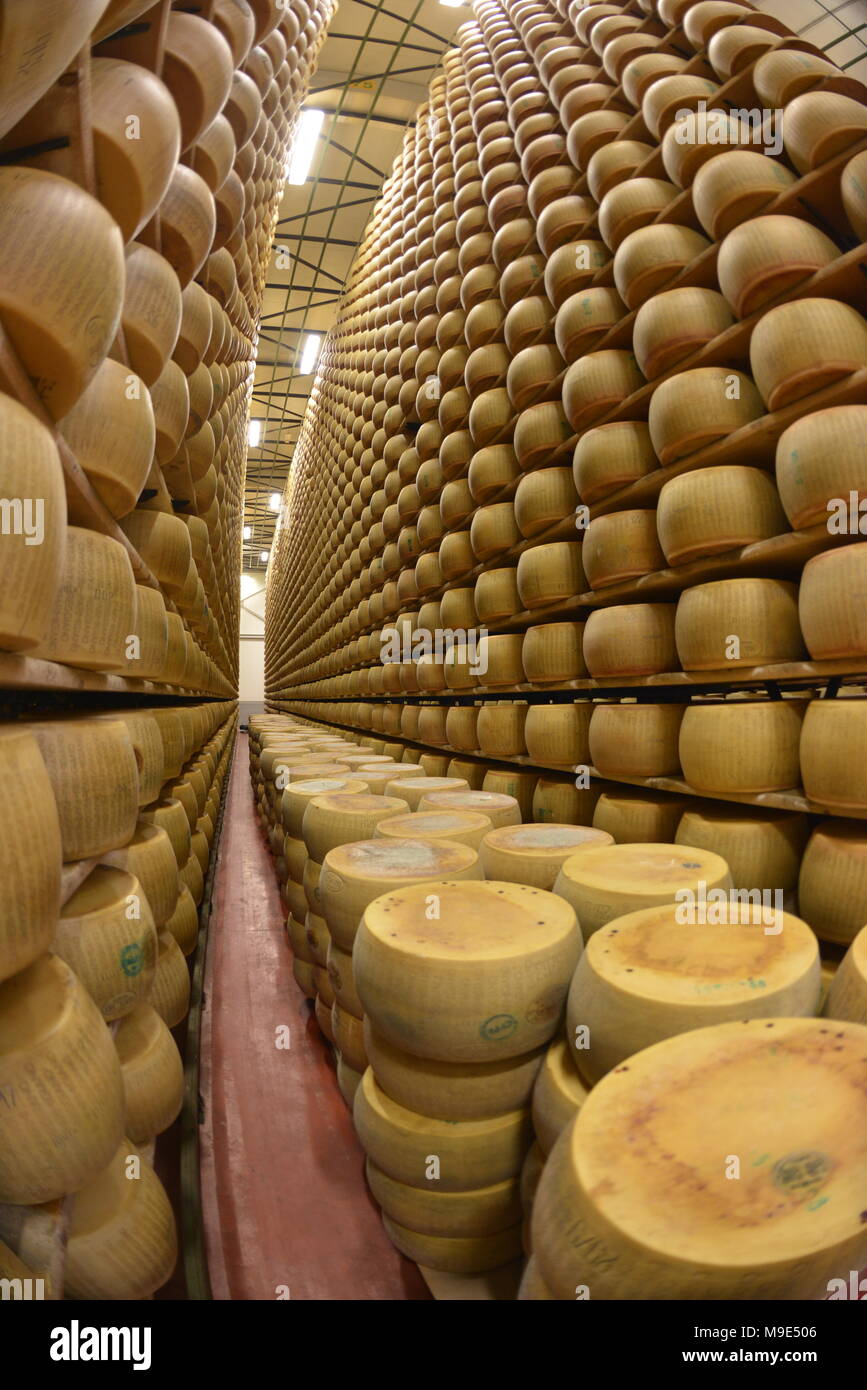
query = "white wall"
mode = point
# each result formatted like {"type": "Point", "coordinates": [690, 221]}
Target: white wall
{"type": "Point", "coordinates": [252, 646]}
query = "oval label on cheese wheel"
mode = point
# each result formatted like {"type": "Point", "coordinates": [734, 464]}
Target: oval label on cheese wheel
{"type": "Point", "coordinates": [498, 1027]}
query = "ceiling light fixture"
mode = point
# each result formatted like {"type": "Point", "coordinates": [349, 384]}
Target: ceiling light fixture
{"type": "Point", "coordinates": [263, 554]}
{"type": "Point", "coordinates": [304, 145]}
{"type": "Point", "coordinates": [254, 433]}
{"type": "Point", "coordinates": [310, 353]}
{"type": "Point", "coordinates": [274, 502]}
{"type": "Point", "coordinates": [248, 531]}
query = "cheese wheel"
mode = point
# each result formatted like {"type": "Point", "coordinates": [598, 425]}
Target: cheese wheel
{"type": "Point", "coordinates": [558, 799]}
{"type": "Point", "coordinates": [348, 1081]}
{"type": "Point", "coordinates": [38, 45]}
{"type": "Point", "coordinates": [632, 204]}
{"type": "Point", "coordinates": [677, 967]}
{"type": "Point", "coordinates": [449, 1090]}
{"type": "Point", "coordinates": [756, 1066]}
{"type": "Point", "coordinates": [637, 817]}
{"type": "Point", "coordinates": [412, 789]}
{"type": "Point", "coordinates": [558, 734]}
{"type": "Point", "coordinates": [147, 656]}
{"type": "Point", "coordinates": [819, 125]}
{"type": "Point", "coordinates": [550, 573]}
{"type": "Point", "coordinates": [348, 1037]}
{"type": "Point", "coordinates": [847, 996]}
{"type": "Point", "coordinates": [782, 75]}
{"type": "Point", "coordinates": [106, 935]}
{"type": "Point", "coordinates": [552, 653]}
{"type": "Point", "coordinates": [854, 191]}
{"type": "Point", "coordinates": [59, 1060]}
{"type": "Point", "coordinates": [635, 740]}
{"type": "Point", "coordinates": [303, 973]}
{"type": "Point", "coordinates": [765, 734]}
{"type": "Point", "coordinates": [30, 853]}
{"type": "Point", "coordinates": [767, 256]}
{"type": "Point", "coordinates": [457, 1215]}
{"type": "Point", "coordinates": [192, 877]}
{"type": "Point", "coordinates": [734, 186]}
{"type": "Point", "coordinates": [651, 257]}
{"type": "Point", "coordinates": [608, 881]}
{"type": "Point", "coordinates": [621, 546]}
{"type": "Point", "coordinates": [92, 768]}
{"type": "Point", "coordinates": [122, 1238]}
{"type": "Point", "coordinates": [830, 614]}
{"type": "Point", "coordinates": [170, 816]}
{"type": "Point", "coordinates": [693, 409]}
{"type": "Point", "coordinates": [461, 721]}
{"type": "Point", "coordinates": [132, 169]}
{"type": "Point", "coordinates": [60, 300]}
{"type": "Point", "coordinates": [472, 1154]}
{"type": "Point", "coordinates": [197, 70]}
{"type": "Point", "coordinates": [803, 346]}
{"type": "Point", "coordinates": [460, 827]}
{"type": "Point", "coordinates": [712, 510]}
{"type": "Point", "coordinates": [170, 993]}
{"type": "Point", "coordinates": [761, 847]}
{"type": "Point", "coordinates": [34, 531]}
{"type": "Point", "coordinates": [456, 1255]}
{"type": "Point", "coordinates": [495, 988]}
{"type": "Point", "coordinates": [163, 542]}
{"type": "Point", "coordinates": [597, 383]}
{"type": "Point", "coordinates": [496, 594]}
{"type": "Point", "coordinates": [150, 857]}
{"type": "Point", "coordinates": [534, 854]}
{"type": "Point", "coordinates": [818, 467]}
{"type": "Point", "coordinates": [514, 783]}
{"type": "Point", "coordinates": [93, 611]}
{"type": "Point", "coordinates": [738, 622]}
{"type": "Point", "coordinates": [636, 639]}
{"type": "Point", "coordinates": [170, 399]}
{"type": "Point", "coordinates": [673, 325]}
{"type": "Point", "coordinates": [498, 808]}
{"type": "Point", "coordinates": [151, 317]}
{"type": "Point", "coordinates": [339, 966]}
{"type": "Point", "coordinates": [610, 457]}
{"type": "Point", "coordinates": [558, 1094]}
{"type": "Point", "coordinates": [831, 745]}
{"type": "Point", "coordinates": [153, 1073]}
{"type": "Point", "coordinates": [832, 887]}
{"type": "Point", "coordinates": [354, 874]}
{"type": "Point", "coordinates": [188, 221]}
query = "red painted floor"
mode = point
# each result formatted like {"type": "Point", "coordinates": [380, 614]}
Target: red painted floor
{"type": "Point", "coordinates": [284, 1199]}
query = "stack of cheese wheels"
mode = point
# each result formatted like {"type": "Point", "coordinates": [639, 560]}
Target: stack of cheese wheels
{"type": "Point", "coordinates": [847, 995]}
{"type": "Point", "coordinates": [665, 970]}
{"type": "Point", "coordinates": [602, 882]}
{"type": "Point", "coordinates": [353, 875]}
{"type": "Point", "coordinates": [328, 820]}
{"type": "Point", "coordinates": [534, 854]}
{"type": "Point", "coordinates": [462, 985]}
{"type": "Point", "coordinates": [716, 1092]}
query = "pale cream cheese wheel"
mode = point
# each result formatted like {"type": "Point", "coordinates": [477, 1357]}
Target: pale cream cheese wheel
{"type": "Point", "coordinates": [604, 882]}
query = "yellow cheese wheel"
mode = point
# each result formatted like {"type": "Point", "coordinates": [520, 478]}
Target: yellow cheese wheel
{"type": "Point", "coordinates": [818, 466]}
{"type": "Point", "coordinates": [122, 1237]}
{"type": "Point", "coordinates": [782, 75]}
{"type": "Point", "coordinates": [600, 381]}
{"type": "Point", "coordinates": [340, 973]}
{"type": "Point", "coordinates": [534, 854]}
{"type": "Point", "coordinates": [335, 818]}
{"type": "Point", "coordinates": [672, 325]}
{"type": "Point", "coordinates": [635, 639]}
{"type": "Point", "coordinates": [734, 186]}
{"type": "Point", "coordinates": [765, 737]}
{"type": "Point", "coordinates": [92, 767]}
{"type": "Point", "coordinates": [761, 847]}
{"type": "Point", "coordinates": [93, 612]}
{"type": "Point", "coordinates": [34, 532]}
{"type": "Point", "coordinates": [738, 622]}
{"type": "Point", "coordinates": [585, 318]}
{"type": "Point", "coordinates": [153, 1073]}
{"type": "Point", "coordinates": [498, 808]}
{"type": "Point", "coordinates": [831, 616]}
{"type": "Point", "coordinates": [847, 996]}
{"type": "Point", "coordinates": [192, 877]}
{"type": "Point", "coordinates": [677, 967]}
{"type": "Point", "coordinates": [832, 742]}
{"type": "Point", "coordinates": [621, 546]}
{"type": "Point", "coordinates": [638, 817]}
{"type": "Point", "coordinates": [149, 856]}
{"type": "Point", "coordinates": [610, 457]}
{"type": "Point", "coordinates": [635, 740]}
{"type": "Point", "coordinates": [496, 594]}
{"type": "Point", "coordinates": [530, 1175]}
{"type": "Point", "coordinates": [38, 45]}
{"type": "Point", "coordinates": [163, 542]}
{"type": "Point", "coordinates": [549, 573]}
{"type": "Point", "coordinates": [303, 973]}
{"type": "Point", "coordinates": [734, 1083]}
{"type": "Point", "coordinates": [348, 1081]}
{"type": "Point", "coordinates": [693, 409]}
{"type": "Point", "coordinates": [651, 257]}
{"type": "Point", "coordinates": [132, 169]}
{"type": "Point", "coordinates": [458, 826]}
{"type": "Point", "coordinates": [61, 1067]}
{"type": "Point", "coordinates": [170, 816]}
{"type": "Point", "coordinates": [455, 1215]}
{"type": "Point", "coordinates": [819, 125]}
{"type": "Point", "coordinates": [558, 1094]}
{"type": "Point", "coordinates": [854, 191]}
{"type": "Point", "coordinates": [712, 510]}
{"type": "Point", "coordinates": [608, 881]}
{"type": "Point", "coordinates": [452, 1090]}
{"type": "Point", "coordinates": [151, 317]}
{"type": "Point", "coordinates": [803, 346]}
{"type": "Point", "coordinates": [147, 657]}
{"type": "Point", "coordinates": [558, 734]}
{"type": "Point", "coordinates": [632, 204]}
{"type": "Point", "coordinates": [106, 935]}
{"type": "Point", "coordinates": [170, 994]}
{"type": "Point", "coordinates": [483, 977]}
{"type": "Point", "coordinates": [558, 799]}
{"type": "Point", "coordinates": [832, 887]}
{"type": "Point", "coordinates": [533, 1287]}
{"type": "Point", "coordinates": [470, 1154]}
{"type": "Point", "coordinates": [60, 308]}
{"type": "Point", "coordinates": [355, 873]}
{"type": "Point", "coordinates": [348, 1037]}
{"type": "Point", "coordinates": [500, 729]}
{"type": "Point", "coordinates": [318, 938]}
{"type": "Point", "coordinates": [458, 1254]}
{"type": "Point", "coordinates": [514, 783]}
{"type": "Point", "coordinates": [552, 653]}
{"type": "Point", "coordinates": [30, 853]}
{"type": "Point", "coordinates": [767, 256]}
